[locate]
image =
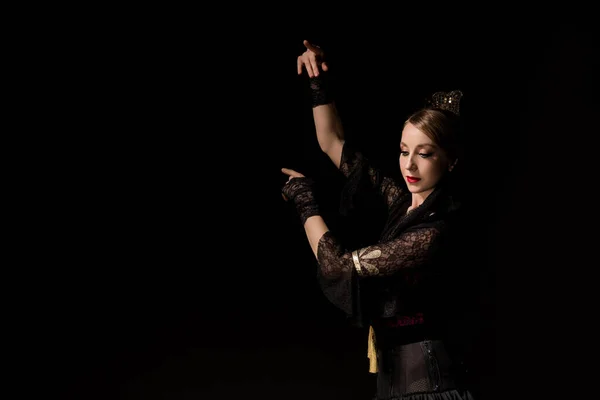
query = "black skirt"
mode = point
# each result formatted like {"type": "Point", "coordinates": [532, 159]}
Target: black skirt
{"type": "Point", "coordinates": [419, 371]}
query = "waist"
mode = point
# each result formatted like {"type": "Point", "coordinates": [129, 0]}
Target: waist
{"type": "Point", "coordinates": [402, 320]}
{"type": "Point", "coordinates": [423, 366]}
{"type": "Point", "coordinates": [405, 330]}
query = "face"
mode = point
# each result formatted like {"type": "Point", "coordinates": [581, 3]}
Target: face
{"type": "Point", "coordinates": [422, 162]}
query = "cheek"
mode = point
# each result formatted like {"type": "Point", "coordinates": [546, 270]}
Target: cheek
{"type": "Point", "coordinates": [433, 169]}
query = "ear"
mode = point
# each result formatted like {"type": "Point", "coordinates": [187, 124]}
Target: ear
{"type": "Point", "coordinates": [451, 167]}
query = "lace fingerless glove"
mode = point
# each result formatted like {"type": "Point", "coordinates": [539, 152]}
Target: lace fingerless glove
{"type": "Point", "coordinates": [320, 90]}
{"type": "Point", "coordinates": [300, 191]}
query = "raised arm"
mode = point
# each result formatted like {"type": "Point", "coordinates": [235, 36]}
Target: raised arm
{"type": "Point", "coordinates": [328, 125]}
{"type": "Point", "coordinates": [330, 134]}
{"type": "Point", "coordinates": [329, 131]}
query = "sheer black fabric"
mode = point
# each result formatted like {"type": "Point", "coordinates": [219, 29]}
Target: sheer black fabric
{"type": "Point", "coordinates": [363, 178]}
{"type": "Point", "coordinates": [411, 249]}
{"type": "Point", "coordinates": [406, 257]}
{"type": "Point", "coordinates": [403, 285]}
{"type": "Point", "coordinates": [301, 192]}
{"type": "Point", "coordinates": [418, 370]}
{"type": "Point", "coordinates": [320, 90]}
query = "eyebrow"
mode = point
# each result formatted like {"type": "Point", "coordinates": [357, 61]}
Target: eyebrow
{"type": "Point", "coordinates": [420, 145]}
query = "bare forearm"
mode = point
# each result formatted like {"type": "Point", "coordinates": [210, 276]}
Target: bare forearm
{"type": "Point", "coordinates": [315, 228]}
{"type": "Point", "coordinates": [330, 133]}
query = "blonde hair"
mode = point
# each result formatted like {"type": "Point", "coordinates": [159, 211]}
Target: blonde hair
{"type": "Point", "coordinates": [442, 127]}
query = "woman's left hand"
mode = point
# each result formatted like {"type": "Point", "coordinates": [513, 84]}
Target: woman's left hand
{"type": "Point", "coordinates": [291, 174]}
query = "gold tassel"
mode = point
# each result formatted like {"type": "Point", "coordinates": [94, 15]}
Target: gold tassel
{"type": "Point", "coordinates": [372, 351]}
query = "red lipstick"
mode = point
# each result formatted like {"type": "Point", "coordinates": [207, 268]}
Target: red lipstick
{"type": "Point", "coordinates": [412, 179]}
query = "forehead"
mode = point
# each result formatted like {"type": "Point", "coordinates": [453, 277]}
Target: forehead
{"type": "Point", "coordinates": [412, 137]}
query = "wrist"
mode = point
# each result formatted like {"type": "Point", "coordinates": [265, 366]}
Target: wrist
{"type": "Point", "coordinates": [301, 192]}
{"type": "Point", "coordinates": [320, 90]}
{"type": "Point", "coordinates": [306, 206]}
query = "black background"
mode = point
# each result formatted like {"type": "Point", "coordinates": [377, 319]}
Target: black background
{"type": "Point", "coordinates": [176, 271]}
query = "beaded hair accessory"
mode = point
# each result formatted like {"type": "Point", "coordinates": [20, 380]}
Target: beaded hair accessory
{"type": "Point", "coordinates": [446, 101]}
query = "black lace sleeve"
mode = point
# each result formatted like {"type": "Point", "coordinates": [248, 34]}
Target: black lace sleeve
{"type": "Point", "coordinates": [341, 271]}
{"type": "Point", "coordinates": [362, 175]}
{"type": "Point", "coordinates": [410, 250]}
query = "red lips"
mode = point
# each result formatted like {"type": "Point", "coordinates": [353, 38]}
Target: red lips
{"type": "Point", "coordinates": [412, 179]}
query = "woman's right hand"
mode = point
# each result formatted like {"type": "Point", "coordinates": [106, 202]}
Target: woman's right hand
{"type": "Point", "coordinates": [312, 60]}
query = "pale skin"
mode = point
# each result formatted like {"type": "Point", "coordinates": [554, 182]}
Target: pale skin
{"type": "Point", "coordinates": [315, 226]}
{"type": "Point", "coordinates": [328, 125]}
{"type": "Point", "coordinates": [420, 157]}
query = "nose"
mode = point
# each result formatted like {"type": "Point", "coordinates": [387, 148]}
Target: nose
{"type": "Point", "coordinates": [409, 165]}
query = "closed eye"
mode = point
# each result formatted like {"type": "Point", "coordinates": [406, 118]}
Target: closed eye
{"type": "Point", "coordinates": [422, 155]}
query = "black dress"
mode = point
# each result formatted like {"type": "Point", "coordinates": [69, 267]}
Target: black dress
{"type": "Point", "coordinates": [402, 287]}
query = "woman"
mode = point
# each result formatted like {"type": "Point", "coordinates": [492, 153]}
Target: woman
{"type": "Point", "coordinates": [401, 286]}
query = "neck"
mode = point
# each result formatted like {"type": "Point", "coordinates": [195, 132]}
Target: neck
{"type": "Point", "coordinates": [419, 198]}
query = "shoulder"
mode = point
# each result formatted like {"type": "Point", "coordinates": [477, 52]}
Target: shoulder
{"type": "Point", "coordinates": [443, 219]}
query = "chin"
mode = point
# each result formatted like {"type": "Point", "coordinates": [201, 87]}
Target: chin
{"type": "Point", "coordinates": [420, 189]}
